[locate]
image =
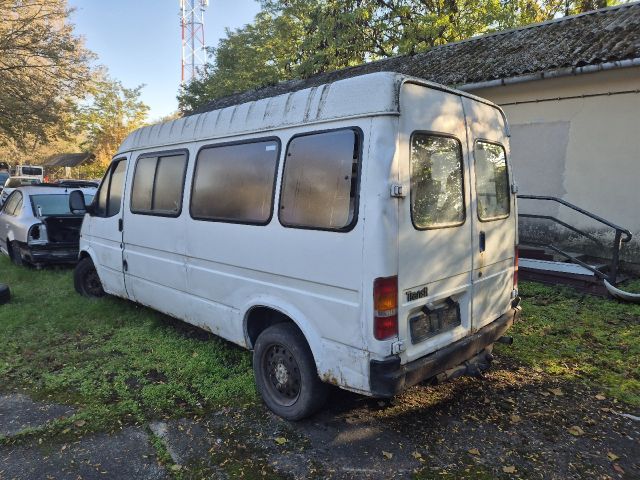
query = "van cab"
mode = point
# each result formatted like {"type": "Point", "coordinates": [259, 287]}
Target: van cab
{"type": "Point", "coordinates": [361, 233]}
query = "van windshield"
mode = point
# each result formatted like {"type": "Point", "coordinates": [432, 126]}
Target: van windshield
{"type": "Point", "coordinates": [53, 204]}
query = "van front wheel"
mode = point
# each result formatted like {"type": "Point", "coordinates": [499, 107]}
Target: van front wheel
{"type": "Point", "coordinates": [285, 372]}
{"type": "Point", "coordinates": [86, 280]}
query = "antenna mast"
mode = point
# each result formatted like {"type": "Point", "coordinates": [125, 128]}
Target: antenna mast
{"type": "Point", "coordinates": [194, 54]}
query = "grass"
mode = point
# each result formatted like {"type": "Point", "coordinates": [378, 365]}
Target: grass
{"type": "Point", "coordinates": [115, 361]}
{"type": "Point", "coordinates": [119, 363]}
{"type": "Point", "coordinates": [582, 337]}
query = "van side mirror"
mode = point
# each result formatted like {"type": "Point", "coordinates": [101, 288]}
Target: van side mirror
{"type": "Point", "coordinates": [77, 203]}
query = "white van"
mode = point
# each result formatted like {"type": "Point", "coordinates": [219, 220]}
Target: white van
{"type": "Point", "coordinates": [31, 171]}
{"type": "Point", "coordinates": [361, 233]}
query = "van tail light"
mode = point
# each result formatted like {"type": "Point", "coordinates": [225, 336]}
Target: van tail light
{"type": "Point", "coordinates": [385, 307]}
{"type": "Point", "coordinates": [516, 260]}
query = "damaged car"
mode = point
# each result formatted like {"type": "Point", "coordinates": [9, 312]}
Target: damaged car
{"type": "Point", "coordinates": [37, 227]}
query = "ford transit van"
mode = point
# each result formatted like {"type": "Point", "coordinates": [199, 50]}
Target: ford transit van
{"type": "Point", "coordinates": [361, 233]}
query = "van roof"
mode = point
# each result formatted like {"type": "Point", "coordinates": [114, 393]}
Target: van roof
{"type": "Point", "coordinates": [364, 95]}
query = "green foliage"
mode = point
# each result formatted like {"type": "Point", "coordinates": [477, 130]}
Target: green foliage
{"type": "Point", "coordinates": [581, 337]}
{"type": "Point", "coordinates": [298, 38]}
{"type": "Point", "coordinates": [44, 70]}
{"type": "Point", "coordinates": [116, 361]}
{"type": "Point", "coordinates": [114, 112]}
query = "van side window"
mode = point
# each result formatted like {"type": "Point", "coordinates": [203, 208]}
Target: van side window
{"type": "Point", "coordinates": [158, 184]}
{"type": "Point", "coordinates": [109, 196]}
{"type": "Point", "coordinates": [492, 181]}
{"type": "Point", "coordinates": [437, 181]}
{"type": "Point", "coordinates": [320, 181]}
{"type": "Point", "coordinates": [235, 183]}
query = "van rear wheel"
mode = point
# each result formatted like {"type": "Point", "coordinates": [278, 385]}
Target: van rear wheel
{"type": "Point", "coordinates": [86, 280]}
{"type": "Point", "coordinates": [286, 375]}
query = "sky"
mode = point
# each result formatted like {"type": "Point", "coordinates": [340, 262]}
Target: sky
{"type": "Point", "coordinates": [139, 41]}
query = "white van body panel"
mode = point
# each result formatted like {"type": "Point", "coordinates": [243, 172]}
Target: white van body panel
{"type": "Point", "coordinates": [213, 274]}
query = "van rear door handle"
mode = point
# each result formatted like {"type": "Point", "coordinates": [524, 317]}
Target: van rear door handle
{"type": "Point", "coordinates": [483, 242]}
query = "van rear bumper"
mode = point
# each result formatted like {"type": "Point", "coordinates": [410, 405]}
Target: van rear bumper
{"type": "Point", "coordinates": [388, 377]}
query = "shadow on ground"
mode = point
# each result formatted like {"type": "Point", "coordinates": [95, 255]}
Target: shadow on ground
{"type": "Point", "coordinates": [513, 423]}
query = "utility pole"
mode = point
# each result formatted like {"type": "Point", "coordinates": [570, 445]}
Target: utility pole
{"type": "Point", "coordinates": [194, 54]}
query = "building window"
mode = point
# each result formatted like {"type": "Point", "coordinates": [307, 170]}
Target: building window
{"type": "Point", "coordinates": [492, 181]}
{"type": "Point", "coordinates": [437, 181]}
{"type": "Point", "coordinates": [320, 181]}
{"type": "Point", "coordinates": [158, 183]}
{"type": "Point", "coordinates": [235, 183]}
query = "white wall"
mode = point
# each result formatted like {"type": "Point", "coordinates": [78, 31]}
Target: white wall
{"type": "Point", "coordinates": [584, 150]}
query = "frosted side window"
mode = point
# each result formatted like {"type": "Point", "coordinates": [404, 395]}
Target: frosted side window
{"type": "Point", "coordinates": [235, 183]}
{"type": "Point", "coordinates": [319, 185]}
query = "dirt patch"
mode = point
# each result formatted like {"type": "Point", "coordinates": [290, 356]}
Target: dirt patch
{"type": "Point", "coordinates": [514, 423]}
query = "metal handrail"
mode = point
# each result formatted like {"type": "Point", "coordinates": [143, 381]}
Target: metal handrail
{"type": "Point", "coordinates": [617, 243]}
{"type": "Point", "coordinates": [581, 210]}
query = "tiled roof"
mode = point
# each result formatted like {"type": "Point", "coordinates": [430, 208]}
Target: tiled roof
{"type": "Point", "coordinates": [601, 36]}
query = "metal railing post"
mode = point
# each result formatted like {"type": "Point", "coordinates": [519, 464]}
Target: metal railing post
{"type": "Point", "coordinates": [615, 258]}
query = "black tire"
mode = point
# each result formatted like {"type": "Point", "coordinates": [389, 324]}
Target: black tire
{"type": "Point", "coordinates": [86, 280]}
{"type": "Point", "coordinates": [14, 253]}
{"type": "Point", "coordinates": [286, 375]}
{"type": "Point", "coordinates": [5, 293]}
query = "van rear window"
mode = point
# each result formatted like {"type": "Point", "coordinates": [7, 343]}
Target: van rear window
{"type": "Point", "coordinates": [437, 181]}
{"type": "Point", "coordinates": [158, 183]}
{"type": "Point", "coordinates": [492, 181]}
{"type": "Point", "coordinates": [320, 181]}
{"type": "Point", "coordinates": [235, 183]}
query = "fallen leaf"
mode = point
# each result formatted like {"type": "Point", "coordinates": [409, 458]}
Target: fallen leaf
{"type": "Point", "coordinates": [515, 418]}
{"type": "Point", "coordinates": [175, 468]}
{"type": "Point", "coordinates": [474, 451]}
{"type": "Point", "coordinates": [387, 455]}
{"type": "Point", "coordinates": [509, 469]}
{"type": "Point", "coordinates": [281, 440]}
{"type": "Point", "coordinates": [80, 423]}
{"type": "Point", "coordinates": [417, 455]}
{"type": "Point", "coordinates": [600, 396]}
{"type": "Point", "coordinates": [618, 469]}
{"type": "Point", "coordinates": [557, 392]}
{"type": "Point", "coordinates": [576, 431]}
{"type": "Point", "coordinates": [545, 394]}
{"type": "Point", "coordinates": [612, 456]}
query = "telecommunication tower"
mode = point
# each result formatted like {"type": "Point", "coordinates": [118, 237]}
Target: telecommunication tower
{"type": "Point", "coordinates": [194, 54]}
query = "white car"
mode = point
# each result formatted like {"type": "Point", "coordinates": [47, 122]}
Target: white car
{"type": "Point", "coordinates": [12, 183]}
{"type": "Point", "coordinates": [360, 233]}
{"type": "Point", "coordinates": [37, 227]}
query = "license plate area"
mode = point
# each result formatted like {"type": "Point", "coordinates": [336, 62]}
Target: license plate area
{"type": "Point", "coordinates": [428, 323]}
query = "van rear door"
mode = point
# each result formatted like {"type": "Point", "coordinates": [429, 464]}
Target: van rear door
{"type": "Point", "coordinates": [435, 222]}
{"type": "Point", "coordinates": [493, 212]}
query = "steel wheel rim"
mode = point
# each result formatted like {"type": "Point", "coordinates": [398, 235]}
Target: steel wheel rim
{"type": "Point", "coordinates": [282, 374]}
{"type": "Point", "coordinates": [92, 283]}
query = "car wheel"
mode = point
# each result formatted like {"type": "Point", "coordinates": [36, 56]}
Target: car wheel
{"type": "Point", "coordinates": [86, 280]}
{"type": "Point", "coordinates": [5, 293]}
{"type": "Point", "coordinates": [286, 375]}
{"type": "Point", "coordinates": [14, 253]}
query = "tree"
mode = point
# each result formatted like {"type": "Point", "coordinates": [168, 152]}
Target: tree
{"type": "Point", "coordinates": [114, 113]}
{"type": "Point", "coordinates": [44, 70]}
{"type": "Point", "coordinates": [261, 53]}
{"type": "Point", "coordinates": [299, 38]}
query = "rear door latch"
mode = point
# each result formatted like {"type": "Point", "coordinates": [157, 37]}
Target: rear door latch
{"type": "Point", "coordinates": [397, 191]}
